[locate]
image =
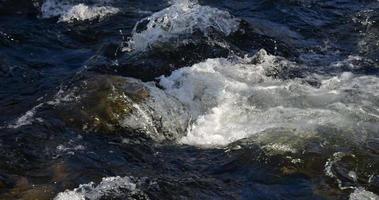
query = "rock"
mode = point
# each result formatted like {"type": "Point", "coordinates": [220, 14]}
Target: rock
{"type": "Point", "coordinates": [159, 61]}
{"type": "Point", "coordinates": [114, 104]}
{"type": "Point", "coordinates": [259, 57]}
{"type": "Point", "coordinates": [38, 193]}
{"type": "Point", "coordinates": [343, 170]}
{"type": "Point", "coordinates": [326, 156]}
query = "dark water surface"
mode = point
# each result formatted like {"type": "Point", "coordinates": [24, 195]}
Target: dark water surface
{"type": "Point", "coordinates": [226, 99]}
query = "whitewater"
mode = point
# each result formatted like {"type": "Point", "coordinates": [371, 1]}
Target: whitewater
{"type": "Point", "coordinates": [189, 99]}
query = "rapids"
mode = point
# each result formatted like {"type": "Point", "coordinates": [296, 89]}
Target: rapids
{"type": "Point", "coordinates": [186, 99]}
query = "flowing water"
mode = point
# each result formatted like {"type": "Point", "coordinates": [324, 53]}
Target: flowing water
{"type": "Point", "coordinates": [186, 99]}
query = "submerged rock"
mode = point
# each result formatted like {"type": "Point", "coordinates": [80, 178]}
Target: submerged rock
{"type": "Point", "coordinates": [326, 156]}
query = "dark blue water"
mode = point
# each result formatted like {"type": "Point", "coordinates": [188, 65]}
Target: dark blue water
{"type": "Point", "coordinates": [49, 144]}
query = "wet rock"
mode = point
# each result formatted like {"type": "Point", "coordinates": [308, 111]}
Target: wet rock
{"type": "Point", "coordinates": [343, 169]}
{"type": "Point", "coordinates": [22, 184]}
{"type": "Point", "coordinates": [281, 67]}
{"type": "Point", "coordinates": [20, 187]}
{"type": "Point", "coordinates": [59, 172]}
{"type": "Point", "coordinates": [313, 81]}
{"type": "Point", "coordinates": [162, 60]}
{"type": "Point", "coordinates": [259, 57]}
{"type": "Point", "coordinates": [114, 104]}
{"type": "Point", "coordinates": [27, 191]}
{"type": "Point", "coordinates": [38, 193]}
{"type": "Point", "coordinates": [327, 156]}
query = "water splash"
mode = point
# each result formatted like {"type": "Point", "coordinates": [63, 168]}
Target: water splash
{"type": "Point", "coordinates": [69, 12]}
{"type": "Point", "coordinates": [110, 186]}
{"type": "Point", "coordinates": [178, 23]}
{"type": "Point", "coordinates": [233, 99]}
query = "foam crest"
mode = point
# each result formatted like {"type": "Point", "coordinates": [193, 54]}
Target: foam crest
{"type": "Point", "coordinates": [181, 19]}
{"type": "Point", "coordinates": [361, 194]}
{"type": "Point", "coordinates": [26, 119]}
{"type": "Point", "coordinates": [234, 99]}
{"type": "Point", "coordinates": [108, 187]}
{"type": "Point", "coordinates": [70, 12]}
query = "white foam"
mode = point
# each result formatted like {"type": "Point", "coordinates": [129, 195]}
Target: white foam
{"type": "Point", "coordinates": [180, 19]}
{"type": "Point", "coordinates": [233, 99]}
{"type": "Point", "coordinates": [26, 119]}
{"type": "Point", "coordinates": [69, 149]}
{"type": "Point", "coordinates": [115, 186]}
{"type": "Point", "coordinates": [29, 116]}
{"type": "Point", "coordinates": [365, 20]}
{"type": "Point", "coordinates": [68, 12]}
{"type": "Point", "coordinates": [362, 194]}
